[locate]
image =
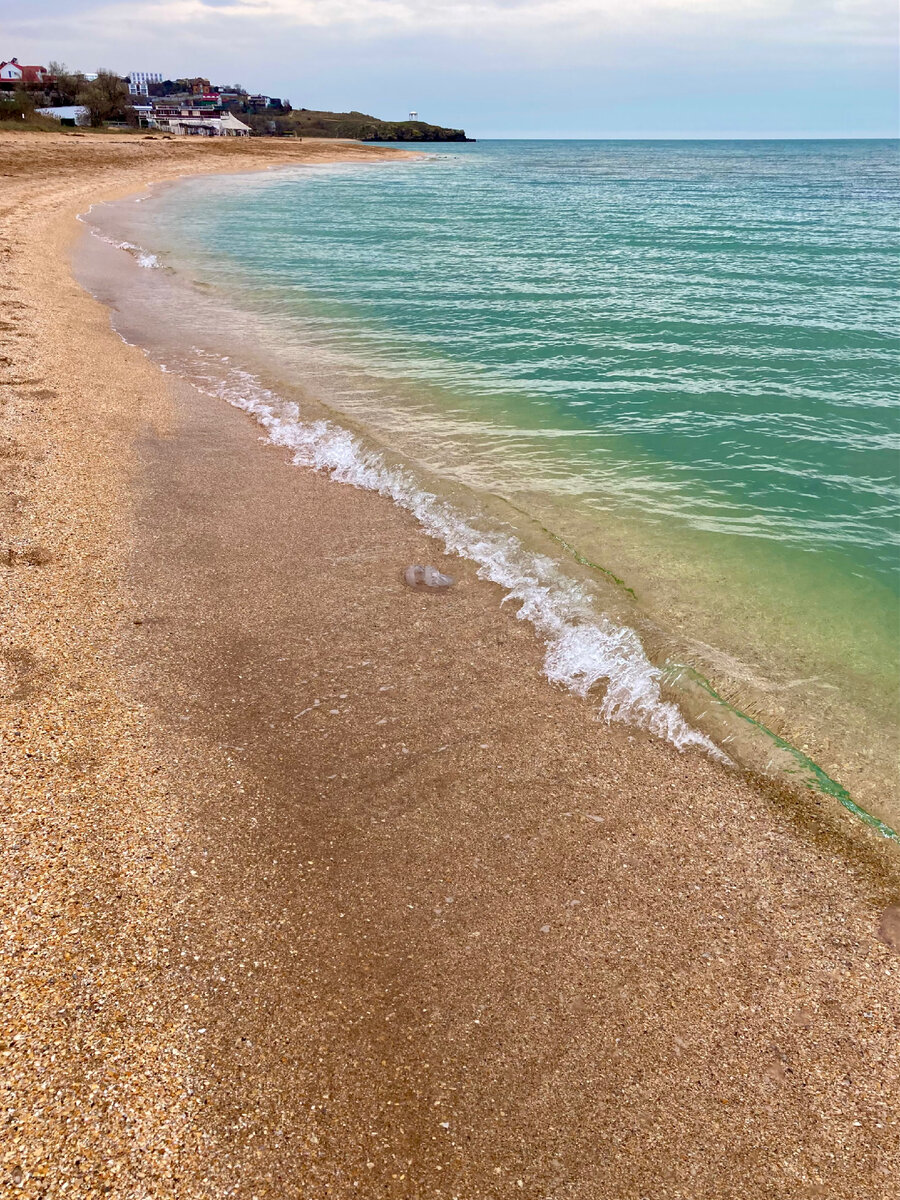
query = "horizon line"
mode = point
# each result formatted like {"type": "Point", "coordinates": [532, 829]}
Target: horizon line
{"type": "Point", "coordinates": [689, 137]}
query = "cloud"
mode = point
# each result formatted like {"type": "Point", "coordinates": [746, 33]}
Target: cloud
{"type": "Point", "coordinates": [584, 65]}
{"type": "Point", "coordinates": [867, 21]}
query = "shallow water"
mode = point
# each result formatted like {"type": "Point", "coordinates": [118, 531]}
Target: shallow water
{"type": "Point", "coordinates": [669, 367]}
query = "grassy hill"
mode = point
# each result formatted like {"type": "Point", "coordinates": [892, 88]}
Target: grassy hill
{"type": "Point", "coordinates": [364, 128]}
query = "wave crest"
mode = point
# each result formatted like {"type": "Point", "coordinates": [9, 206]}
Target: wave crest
{"type": "Point", "coordinates": [584, 649]}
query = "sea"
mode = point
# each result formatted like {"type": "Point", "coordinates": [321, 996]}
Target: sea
{"type": "Point", "coordinates": [650, 387]}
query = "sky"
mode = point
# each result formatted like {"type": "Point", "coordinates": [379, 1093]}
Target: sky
{"type": "Point", "coordinates": [510, 68]}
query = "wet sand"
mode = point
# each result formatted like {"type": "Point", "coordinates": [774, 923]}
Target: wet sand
{"type": "Point", "coordinates": [313, 886]}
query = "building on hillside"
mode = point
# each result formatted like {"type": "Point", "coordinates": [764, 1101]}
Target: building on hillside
{"type": "Point", "coordinates": [199, 86]}
{"type": "Point", "coordinates": [202, 116]}
{"type": "Point", "coordinates": [14, 74]}
{"type": "Point", "coordinates": [143, 111]}
{"type": "Point", "coordinates": [139, 82]}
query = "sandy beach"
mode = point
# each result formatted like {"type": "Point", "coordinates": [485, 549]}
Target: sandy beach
{"type": "Point", "coordinates": [313, 886]}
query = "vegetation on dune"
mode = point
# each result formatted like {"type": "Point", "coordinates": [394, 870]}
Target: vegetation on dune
{"type": "Point", "coordinates": [16, 115]}
{"type": "Point", "coordinates": [18, 108]}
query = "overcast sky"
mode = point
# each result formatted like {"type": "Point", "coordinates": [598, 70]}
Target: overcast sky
{"type": "Point", "coordinates": [516, 68]}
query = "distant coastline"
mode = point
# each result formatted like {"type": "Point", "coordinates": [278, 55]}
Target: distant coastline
{"type": "Point", "coordinates": [364, 128]}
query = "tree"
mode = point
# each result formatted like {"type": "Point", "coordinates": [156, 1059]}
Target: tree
{"type": "Point", "coordinates": [65, 84]}
{"type": "Point", "coordinates": [106, 98]}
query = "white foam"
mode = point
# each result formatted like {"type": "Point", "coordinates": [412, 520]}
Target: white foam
{"type": "Point", "coordinates": [584, 649]}
{"type": "Point", "coordinates": [142, 257]}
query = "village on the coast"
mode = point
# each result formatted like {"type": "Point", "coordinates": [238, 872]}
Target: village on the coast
{"type": "Point", "coordinates": [142, 99]}
{"type": "Point", "coordinates": [41, 96]}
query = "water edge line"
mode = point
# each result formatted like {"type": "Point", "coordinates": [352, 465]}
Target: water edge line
{"type": "Point", "coordinates": [821, 781]}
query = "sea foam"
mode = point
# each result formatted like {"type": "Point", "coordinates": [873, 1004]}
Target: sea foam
{"type": "Point", "coordinates": [142, 257]}
{"type": "Point", "coordinates": [584, 649]}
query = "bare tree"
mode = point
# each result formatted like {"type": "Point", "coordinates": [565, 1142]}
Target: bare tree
{"type": "Point", "coordinates": [106, 98]}
{"type": "Point", "coordinates": [66, 84]}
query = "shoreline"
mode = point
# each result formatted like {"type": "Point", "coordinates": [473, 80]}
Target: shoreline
{"type": "Point", "coordinates": [744, 681]}
{"type": "Point", "coordinates": [143, 517]}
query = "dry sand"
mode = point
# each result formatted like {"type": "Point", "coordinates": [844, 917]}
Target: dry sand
{"type": "Point", "coordinates": [316, 889]}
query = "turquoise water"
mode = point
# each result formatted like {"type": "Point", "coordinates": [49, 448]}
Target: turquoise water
{"type": "Point", "coordinates": [681, 359]}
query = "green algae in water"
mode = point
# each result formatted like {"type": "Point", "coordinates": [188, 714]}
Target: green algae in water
{"type": "Point", "coordinates": [814, 777]}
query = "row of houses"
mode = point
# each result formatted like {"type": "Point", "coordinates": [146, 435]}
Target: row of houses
{"type": "Point", "coordinates": [199, 112]}
{"type": "Point", "coordinates": [179, 119]}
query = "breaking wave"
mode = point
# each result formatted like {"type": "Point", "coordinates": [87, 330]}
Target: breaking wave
{"type": "Point", "coordinates": [142, 257]}
{"type": "Point", "coordinates": [584, 648]}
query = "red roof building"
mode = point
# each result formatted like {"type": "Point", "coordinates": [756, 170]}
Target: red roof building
{"type": "Point", "coordinates": [14, 72]}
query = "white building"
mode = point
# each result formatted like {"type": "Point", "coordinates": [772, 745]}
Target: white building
{"type": "Point", "coordinates": [141, 80]}
{"type": "Point", "coordinates": [188, 122]}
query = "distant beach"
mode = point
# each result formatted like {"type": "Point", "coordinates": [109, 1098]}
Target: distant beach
{"type": "Point", "coordinates": [315, 885]}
